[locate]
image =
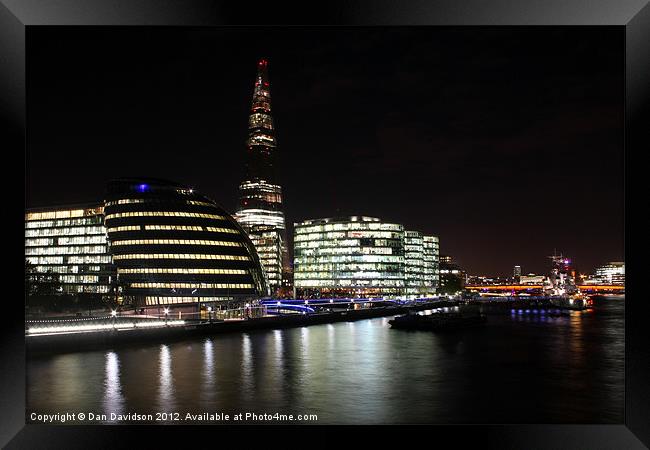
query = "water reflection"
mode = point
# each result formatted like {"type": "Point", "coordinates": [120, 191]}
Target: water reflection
{"type": "Point", "coordinates": [247, 367]}
{"type": "Point", "coordinates": [113, 398]}
{"type": "Point", "coordinates": [209, 375]}
{"type": "Point", "coordinates": [166, 394]}
{"type": "Point", "coordinates": [362, 372]}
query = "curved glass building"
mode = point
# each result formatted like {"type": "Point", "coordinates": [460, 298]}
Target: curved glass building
{"type": "Point", "coordinates": [174, 246]}
{"type": "Point", "coordinates": [360, 257]}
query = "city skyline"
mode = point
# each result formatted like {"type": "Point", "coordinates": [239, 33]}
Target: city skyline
{"type": "Point", "coordinates": [395, 139]}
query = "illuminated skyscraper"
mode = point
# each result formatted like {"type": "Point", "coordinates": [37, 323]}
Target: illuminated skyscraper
{"type": "Point", "coordinates": [260, 210]}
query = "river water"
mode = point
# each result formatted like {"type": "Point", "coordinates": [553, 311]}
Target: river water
{"type": "Point", "coordinates": [515, 369]}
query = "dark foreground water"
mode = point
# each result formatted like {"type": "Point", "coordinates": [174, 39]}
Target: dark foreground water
{"type": "Point", "coordinates": [517, 369]}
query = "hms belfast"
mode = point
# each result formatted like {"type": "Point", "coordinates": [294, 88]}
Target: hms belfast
{"type": "Point", "coordinates": [260, 210]}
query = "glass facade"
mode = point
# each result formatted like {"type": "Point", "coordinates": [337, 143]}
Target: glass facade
{"type": "Point", "coordinates": [610, 273]}
{"type": "Point", "coordinates": [269, 245]}
{"type": "Point", "coordinates": [173, 246]}
{"type": "Point", "coordinates": [71, 243]}
{"type": "Point", "coordinates": [414, 263]}
{"type": "Point", "coordinates": [349, 257]}
{"type": "Point", "coordinates": [431, 267]}
{"type": "Point", "coordinates": [260, 210]}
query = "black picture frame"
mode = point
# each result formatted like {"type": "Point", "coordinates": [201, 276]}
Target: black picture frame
{"type": "Point", "coordinates": [634, 15]}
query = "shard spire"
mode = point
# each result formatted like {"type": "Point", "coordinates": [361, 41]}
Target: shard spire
{"type": "Point", "coordinates": [261, 211]}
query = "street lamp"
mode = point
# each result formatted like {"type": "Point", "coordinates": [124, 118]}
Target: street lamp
{"type": "Point", "coordinates": [210, 313]}
{"type": "Point", "coordinates": [166, 310]}
{"type": "Point", "coordinates": [114, 316]}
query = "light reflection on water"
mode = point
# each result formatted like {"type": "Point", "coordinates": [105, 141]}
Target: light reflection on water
{"type": "Point", "coordinates": [166, 395]}
{"type": "Point", "coordinates": [518, 368]}
{"type": "Point", "coordinates": [113, 398]}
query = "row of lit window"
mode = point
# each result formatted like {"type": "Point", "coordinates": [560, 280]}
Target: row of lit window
{"type": "Point", "coordinates": [270, 198]}
{"type": "Point", "coordinates": [414, 257]}
{"type": "Point", "coordinates": [360, 266]}
{"type": "Point", "coordinates": [75, 259]}
{"type": "Point", "coordinates": [176, 242]}
{"type": "Point", "coordinates": [65, 214]}
{"type": "Point", "coordinates": [86, 288]}
{"type": "Point", "coordinates": [173, 228]}
{"type": "Point", "coordinates": [260, 120]}
{"type": "Point", "coordinates": [69, 250]}
{"type": "Point", "coordinates": [329, 259]}
{"type": "Point", "coordinates": [163, 214]}
{"type": "Point", "coordinates": [273, 269]}
{"type": "Point", "coordinates": [249, 221]}
{"type": "Point", "coordinates": [125, 201]}
{"type": "Point", "coordinates": [268, 246]}
{"type": "Point", "coordinates": [81, 240]}
{"type": "Point", "coordinates": [256, 216]}
{"type": "Point", "coordinates": [123, 228]}
{"type": "Point", "coordinates": [65, 269]}
{"type": "Point", "coordinates": [269, 258]}
{"type": "Point", "coordinates": [155, 300]}
{"type": "Point", "coordinates": [183, 270]}
{"type": "Point", "coordinates": [181, 228]}
{"type": "Point", "coordinates": [78, 278]}
{"type": "Point", "coordinates": [333, 235]}
{"type": "Point", "coordinates": [261, 212]}
{"type": "Point", "coordinates": [191, 285]}
{"type": "Point", "coordinates": [91, 220]}
{"type": "Point", "coordinates": [338, 275]}
{"type": "Point", "coordinates": [347, 251]}
{"type": "Point", "coordinates": [261, 139]}
{"type": "Point", "coordinates": [348, 226]}
{"type": "Point", "coordinates": [65, 240]}
{"type": "Point", "coordinates": [266, 238]}
{"type": "Point", "coordinates": [260, 185]}
{"type": "Point", "coordinates": [331, 283]}
{"type": "Point", "coordinates": [348, 243]}
{"type": "Point", "coordinates": [259, 104]}
{"type": "Point", "coordinates": [71, 231]}
{"type": "Point", "coordinates": [180, 256]}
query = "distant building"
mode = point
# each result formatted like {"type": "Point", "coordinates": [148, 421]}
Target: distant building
{"type": "Point", "coordinates": [364, 257]}
{"type": "Point", "coordinates": [414, 263]}
{"type": "Point", "coordinates": [516, 274]}
{"type": "Point", "coordinates": [431, 246]}
{"type": "Point", "coordinates": [612, 273]}
{"type": "Point", "coordinates": [531, 278]}
{"type": "Point", "coordinates": [269, 245]}
{"type": "Point", "coordinates": [348, 257]}
{"type": "Point", "coordinates": [70, 242]}
{"type": "Point", "coordinates": [445, 259]}
{"type": "Point", "coordinates": [151, 243]}
{"type": "Point", "coordinates": [174, 246]}
{"type": "Point", "coordinates": [261, 211]}
{"type": "Point", "coordinates": [452, 277]}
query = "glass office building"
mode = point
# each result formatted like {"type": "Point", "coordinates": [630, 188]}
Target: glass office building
{"type": "Point", "coordinates": [359, 257]}
{"type": "Point", "coordinates": [70, 243]}
{"type": "Point", "coordinates": [268, 243]}
{"type": "Point", "coordinates": [414, 263]}
{"type": "Point", "coordinates": [174, 246]}
{"type": "Point", "coordinates": [431, 267]}
{"type": "Point", "coordinates": [610, 273]}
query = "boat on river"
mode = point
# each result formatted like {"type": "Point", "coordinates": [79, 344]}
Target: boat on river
{"type": "Point", "coordinates": [458, 318]}
{"type": "Point", "coordinates": [561, 288]}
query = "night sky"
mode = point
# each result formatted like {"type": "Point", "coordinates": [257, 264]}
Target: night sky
{"type": "Point", "coordinates": [505, 142]}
